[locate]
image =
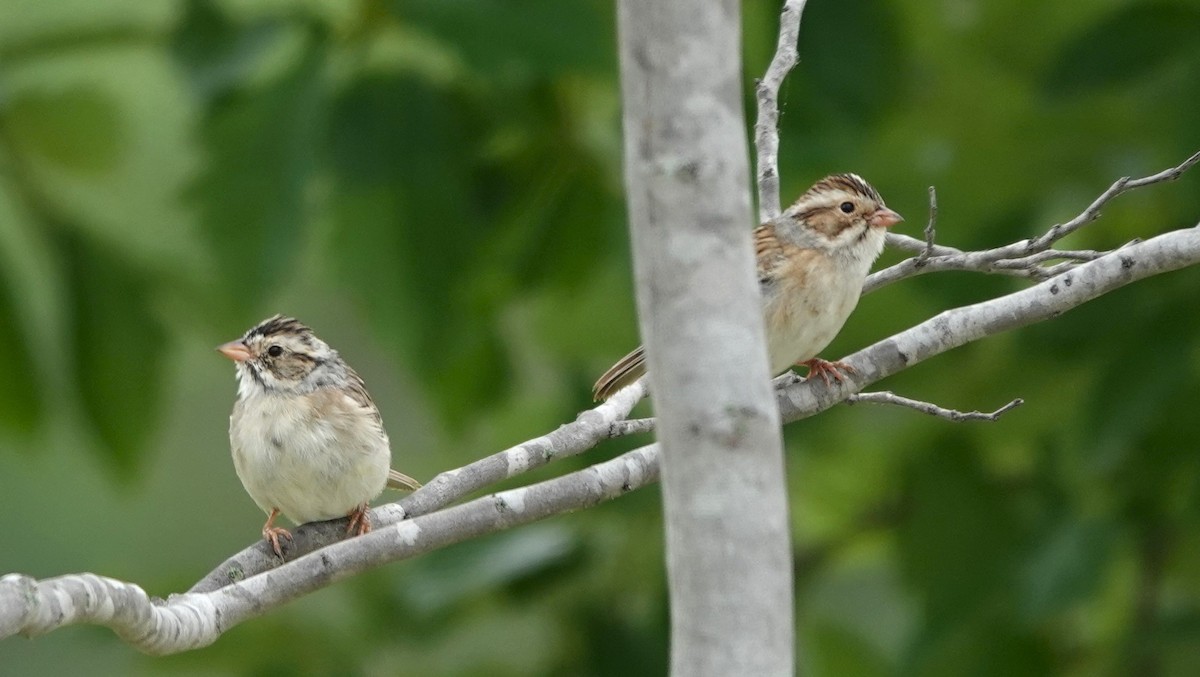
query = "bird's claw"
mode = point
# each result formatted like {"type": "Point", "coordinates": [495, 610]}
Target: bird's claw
{"type": "Point", "coordinates": [359, 521]}
{"type": "Point", "coordinates": [272, 536]}
{"type": "Point", "coordinates": [826, 369]}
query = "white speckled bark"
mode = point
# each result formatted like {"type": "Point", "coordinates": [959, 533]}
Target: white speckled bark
{"type": "Point", "coordinates": [687, 181]}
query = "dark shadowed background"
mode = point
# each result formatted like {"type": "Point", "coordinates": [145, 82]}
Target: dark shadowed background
{"type": "Point", "coordinates": [435, 186]}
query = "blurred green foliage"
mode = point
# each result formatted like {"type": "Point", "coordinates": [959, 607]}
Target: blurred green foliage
{"type": "Point", "coordinates": [435, 186]}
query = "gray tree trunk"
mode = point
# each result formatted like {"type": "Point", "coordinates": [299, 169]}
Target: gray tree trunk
{"type": "Point", "coordinates": [688, 183]}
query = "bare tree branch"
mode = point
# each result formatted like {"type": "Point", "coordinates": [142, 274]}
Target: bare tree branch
{"type": "Point", "coordinates": [31, 607]}
{"type": "Point", "coordinates": [911, 244]}
{"type": "Point", "coordinates": [1122, 185]}
{"type": "Point", "coordinates": [253, 583]}
{"type": "Point", "coordinates": [959, 326]}
{"type": "Point", "coordinates": [193, 620]}
{"type": "Point", "coordinates": [589, 428]}
{"type": "Point", "coordinates": [1019, 258]}
{"type": "Point", "coordinates": [635, 426]}
{"type": "Point", "coordinates": [888, 397]}
{"type": "Point", "coordinates": [930, 229]}
{"type": "Point", "coordinates": [766, 91]}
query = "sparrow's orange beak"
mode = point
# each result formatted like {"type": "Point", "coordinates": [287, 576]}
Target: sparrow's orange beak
{"type": "Point", "coordinates": [235, 350]}
{"type": "Point", "coordinates": [885, 218]}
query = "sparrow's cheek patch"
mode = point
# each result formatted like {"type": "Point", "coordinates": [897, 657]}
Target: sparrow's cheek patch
{"type": "Point", "coordinates": [293, 367]}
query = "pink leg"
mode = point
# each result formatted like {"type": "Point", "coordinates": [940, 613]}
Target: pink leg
{"type": "Point", "coordinates": [273, 533]}
{"type": "Point", "coordinates": [826, 370]}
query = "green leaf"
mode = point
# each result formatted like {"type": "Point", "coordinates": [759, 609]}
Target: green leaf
{"type": "Point", "coordinates": [30, 310]}
{"type": "Point", "coordinates": [101, 141]}
{"type": "Point", "coordinates": [1132, 43]}
{"type": "Point", "coordinates": [855, 84]}
{"type": "Point", "coordinates": [1126, 433]}
{"type": "Point", "coordinates": [551, 181]}
{"type": "Point", "coordinates": [220, 55]}
{"type": "Point", "coordinates": [982, 647]}
{"type": "Point", "coordinates": [958, 542]}
{"type": "Point", "coordinates": [76, 129]}
{"type": "Point", "coordinates": [261, 146]}
{"type": "Point", "coordinates": [408, 232]}
{"type": "Point", "coordinates": [20, 394]}
{"type": "Point", "coordinates": [1065, 568]}
{"type": "Point", "coordinates": [118, 348]}
{"type": "Point", "coordinates": [447, 577]}
{"type": "Point", "coordinates": [537, 38]}
{"type": "Point", "coordinates": [29, 29]}
{"type": "Point", "coordinates": [828, 649]}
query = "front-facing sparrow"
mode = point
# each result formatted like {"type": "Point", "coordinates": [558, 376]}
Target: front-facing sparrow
{"type": "Point", "coordinates": [307, 439]}
{"type": "Point", "coordinates": [812, 262]}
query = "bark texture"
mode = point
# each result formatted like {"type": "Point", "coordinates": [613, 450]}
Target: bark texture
{"type": "Point", "coordinates": [687, 182]}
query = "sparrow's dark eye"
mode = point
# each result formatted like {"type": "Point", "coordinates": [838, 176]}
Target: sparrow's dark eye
{"type": "Point", "coordinates": [275, 351]}
{"type": "Point", "coordinates": [847, 207]}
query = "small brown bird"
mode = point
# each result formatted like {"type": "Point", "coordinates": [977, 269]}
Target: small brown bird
{"type": "Point", "coordinates": [307, 439]}
{"type": "Point", "coordinates": [812, 262]}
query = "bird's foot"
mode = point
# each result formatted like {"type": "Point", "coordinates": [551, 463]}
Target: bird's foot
{"type": "Point", "coordinates": [360, 521]}
{"type": "Point", "coordinates": [826, 369]}
{"type": "Point", "coordinates": [272, 536]}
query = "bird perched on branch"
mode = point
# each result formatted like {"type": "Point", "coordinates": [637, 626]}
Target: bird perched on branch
{"type": "Point", "coordinates": [307, 439]}
{"type": "Point", "coordinates": [812, 261]}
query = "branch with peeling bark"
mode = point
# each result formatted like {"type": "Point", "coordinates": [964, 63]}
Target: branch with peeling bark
{"type": "Point", "coordinates": [196, 619]}
{"type": "Point", "coordinates": [254, 582]}
{"type": "Point", "coordinates": [256, 585]}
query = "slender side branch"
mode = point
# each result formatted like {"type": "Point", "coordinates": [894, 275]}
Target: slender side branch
{"type": "Point", "coordinates": [930, 229]}
{"type": "Point", "coordinates": [911, 244]}
{"type": "Point", "coordinates": [1121, 185]}
{"type": "Point", "coordinates": [766, 90]}
{"type": "Point", "coordinates": [888, 397]}
{"type": "Point", "coordinates": [1022, 258]}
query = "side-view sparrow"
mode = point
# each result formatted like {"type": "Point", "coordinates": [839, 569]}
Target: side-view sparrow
{"type": "Point", "coordinates": [307, 439]}
{"type": "Point", "coordinates": [812, 261]}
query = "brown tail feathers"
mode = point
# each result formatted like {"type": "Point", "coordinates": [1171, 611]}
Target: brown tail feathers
{"type": "Point", "coordinates": [629, 369]}
{"type": "Point", "coordinates": [398, 480]}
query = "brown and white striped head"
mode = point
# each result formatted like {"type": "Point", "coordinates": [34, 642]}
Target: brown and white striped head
{"type": "Point", "coordinates": [281, 356]}
{"type": "Point", "coordinates": [841, 213]}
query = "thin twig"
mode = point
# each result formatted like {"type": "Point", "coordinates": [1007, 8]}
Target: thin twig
{"type": "Point", "coordinates": [1121, 185]}
{"type": "Point", "coordinates": [930, 229]}
{"type": "Point", "coordinates": [766, 128]}
{"type": "Point", "coordinates": [1013, 255]}
{"type": "Point", "coordinates": [888, 397]}
{"type": "Point", "coordinates": [1034, 260]}
{"type": "Point", "coordinates": [912, 244]}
